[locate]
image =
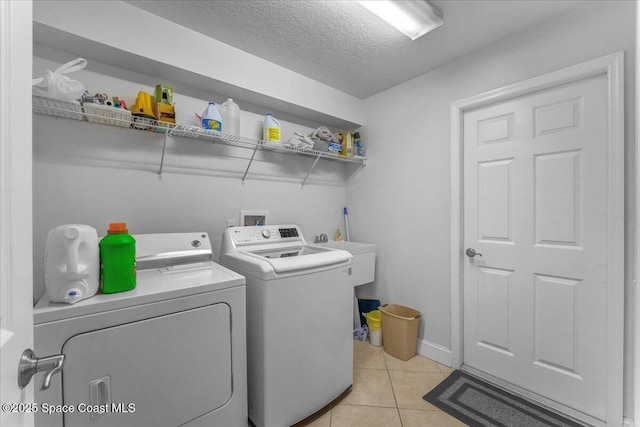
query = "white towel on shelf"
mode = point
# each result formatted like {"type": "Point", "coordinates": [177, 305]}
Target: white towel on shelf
{"type": "Point", "coordinates": [299, 140]}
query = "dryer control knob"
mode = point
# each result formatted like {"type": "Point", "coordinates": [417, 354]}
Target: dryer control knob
{"type": "Point", "coordinates": [266, 234]}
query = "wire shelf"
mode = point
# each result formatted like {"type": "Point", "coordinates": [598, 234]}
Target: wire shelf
{"type": "Point", "coordinates": [116, 117]}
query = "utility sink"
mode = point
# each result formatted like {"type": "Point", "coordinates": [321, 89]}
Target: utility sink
{"type": "Point", "coordinates": [364, 259]}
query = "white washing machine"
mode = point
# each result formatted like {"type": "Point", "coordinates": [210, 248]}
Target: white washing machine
{"type": "Point", "coordinates": [299, 321]}
{"type": "Point", "coordinates": [171, 352]}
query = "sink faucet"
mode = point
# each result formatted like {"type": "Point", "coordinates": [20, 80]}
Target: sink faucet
{"type": "Point", "coordinates": [322, 239]}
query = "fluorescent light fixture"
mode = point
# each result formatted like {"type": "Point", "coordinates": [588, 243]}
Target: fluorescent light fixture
{"type": "Point", "coordinates": [413, 18]}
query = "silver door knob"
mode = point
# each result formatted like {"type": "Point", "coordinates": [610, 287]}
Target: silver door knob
{"type": "Point", "coordinates": [30, 365]}
{"type": "Point", "coordinates": [472, 252]}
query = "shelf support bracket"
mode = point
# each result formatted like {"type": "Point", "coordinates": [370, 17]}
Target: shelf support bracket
{"type": "Point", "coordinates": [310, 169]}
{"type": "Point", "coordinates": [246, 171]}
{"type": "Point", "coordinates": [363, 164]}
{"type": "Point", "coordinates": [164, 146]}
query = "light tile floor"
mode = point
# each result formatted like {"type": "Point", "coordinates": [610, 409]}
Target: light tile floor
{"type": "Point", "coordinates": [386, 392]}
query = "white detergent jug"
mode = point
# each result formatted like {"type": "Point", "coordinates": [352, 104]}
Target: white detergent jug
{"type": "Point", "coordinates": [230, 112]}
{"type": "Point", "coordinates": [72, 263]}
{"type": "Point", "coordinates": [271, 129]}
{"type": "Point", "coordinates": [211, 118]}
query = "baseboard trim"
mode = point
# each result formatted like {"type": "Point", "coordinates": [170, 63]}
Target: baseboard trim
{"type": "Point", "coordinates": [435, 352]}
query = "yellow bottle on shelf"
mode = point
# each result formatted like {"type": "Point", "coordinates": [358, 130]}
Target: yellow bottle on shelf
{"type": "Point", "coordinates": [347, 145]}
{"type": "Point", "coordinates": [271, 129]}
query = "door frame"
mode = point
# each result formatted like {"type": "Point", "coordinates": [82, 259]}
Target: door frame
{"type": "Point", "coordinates": [16, 228]}
{"type": "Point", "coordinates": [612, 66]}
{"type": "Point", "coordinates": [636, 307]}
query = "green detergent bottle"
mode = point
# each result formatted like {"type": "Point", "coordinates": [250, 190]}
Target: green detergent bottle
{"type": "Point", "coordinates": [117, 260]}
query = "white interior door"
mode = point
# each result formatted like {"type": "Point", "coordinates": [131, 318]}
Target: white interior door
{"type": "Point", "coordinates": [536, 191]}
{"type": "Point", "coordinates": [16, 285]}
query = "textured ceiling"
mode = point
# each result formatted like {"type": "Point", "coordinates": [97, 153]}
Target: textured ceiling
{"type": "Point", "coordinates": [341, 44]}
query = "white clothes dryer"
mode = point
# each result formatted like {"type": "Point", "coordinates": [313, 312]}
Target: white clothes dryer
{"type": "Point", "coordinates": [171, 352]}
{"type": "Point", "coordinates": [299, 321]}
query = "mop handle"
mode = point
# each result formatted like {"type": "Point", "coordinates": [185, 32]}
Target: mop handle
{"type": "Point", "coordinates": [346, 224]}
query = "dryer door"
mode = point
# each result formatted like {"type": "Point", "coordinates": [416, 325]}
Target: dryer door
{"type": "Point", "coordinates": [163, 371]}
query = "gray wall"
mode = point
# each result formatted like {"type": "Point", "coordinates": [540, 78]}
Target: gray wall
{"type": "Point", "coordinates": [401, 200]}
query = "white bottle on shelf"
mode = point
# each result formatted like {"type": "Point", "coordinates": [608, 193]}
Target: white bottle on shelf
{"type": "Point", "coordinates": [271, 129]}
{"type": "Point", "coordinates": [211, 118]}
{"type": "Point", "coordinates": [230, 112]}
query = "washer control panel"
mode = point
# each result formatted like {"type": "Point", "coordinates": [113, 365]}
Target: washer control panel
{"type": "Point", "coordinates": [262, 234]}
{"type": "Point", "coordinates": [288, 232]}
